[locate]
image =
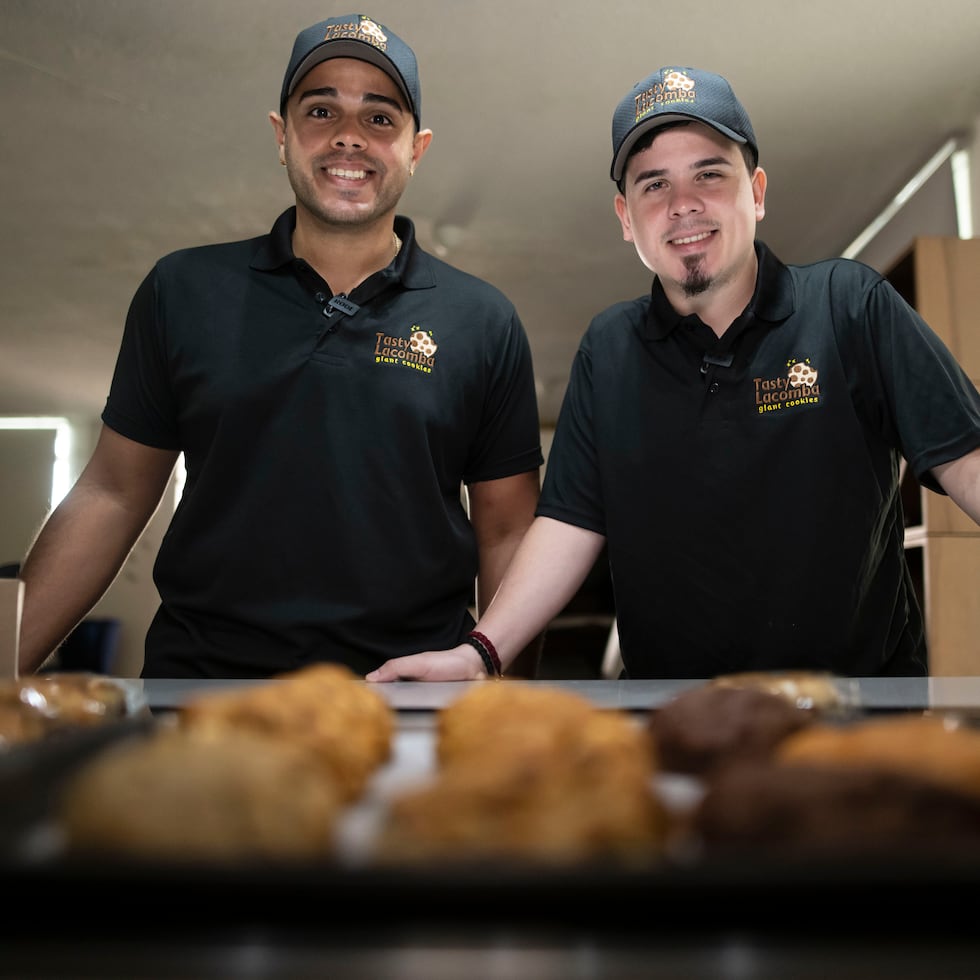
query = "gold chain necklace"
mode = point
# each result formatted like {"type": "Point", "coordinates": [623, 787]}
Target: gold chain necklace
{"type": "Point", "coordinates": [397, 242]}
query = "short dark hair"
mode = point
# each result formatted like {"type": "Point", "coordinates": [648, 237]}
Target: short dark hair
{"type": "Point", "coordinates": [644, 142]}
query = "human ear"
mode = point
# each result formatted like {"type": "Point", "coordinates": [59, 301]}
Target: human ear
{"type": "Point", "coordinates": [419, 145]}
{"type": "Point", "coordinates": [279, 128]}
{"type": "Point", "coordinates": [759, 181]}
{"type": "Point", "coordinates": [622, 212]}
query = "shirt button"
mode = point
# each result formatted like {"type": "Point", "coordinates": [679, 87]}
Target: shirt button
{"type": "Point", "coordinates": [320, 297]}
{"type": "Point", "coordinates": [714, 387]}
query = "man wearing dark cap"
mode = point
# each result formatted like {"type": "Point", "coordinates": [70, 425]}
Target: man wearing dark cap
{"type": "Point", "coordinates": [333, 389]}
{"type": "Point", "coordinates": [734, 437]}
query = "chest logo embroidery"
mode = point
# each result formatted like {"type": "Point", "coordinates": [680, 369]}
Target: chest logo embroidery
{"type": "Point", "coordinates": [799, 387]}
{"type": "Point", "coordinates": [417, 351]}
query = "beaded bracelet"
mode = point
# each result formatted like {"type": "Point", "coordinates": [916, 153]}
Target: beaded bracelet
{"type": "Point", "coordinates": [487, 652]}
{"type": "Point", "coordinates": [484, 656]}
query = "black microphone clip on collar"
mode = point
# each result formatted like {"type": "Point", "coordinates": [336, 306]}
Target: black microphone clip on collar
{"type": "Point", "coordinates": [716, 360]}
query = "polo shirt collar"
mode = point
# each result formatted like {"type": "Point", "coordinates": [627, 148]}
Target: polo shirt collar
{"type": "Point", "coordinates": [412, 265]}
{"type": "Point", "coordinates": [772, 302]}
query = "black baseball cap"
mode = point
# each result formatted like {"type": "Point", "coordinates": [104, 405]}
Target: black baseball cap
{"type": "Point", "coordinates": [670, 94]}
{"type": "Point", "coordinates": [355, 36]}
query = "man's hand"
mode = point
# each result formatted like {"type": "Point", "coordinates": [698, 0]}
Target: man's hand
{"type": "Point", "coordinates": [461, 663]}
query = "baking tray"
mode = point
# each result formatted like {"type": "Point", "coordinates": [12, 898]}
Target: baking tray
{"type": "Point", "coordinates": [32, 857]}
{"type": "Point", "coordinates": [87, 917]}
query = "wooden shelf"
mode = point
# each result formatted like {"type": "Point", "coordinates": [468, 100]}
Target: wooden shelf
{"type": "Point", "coordinates": [940, 277]}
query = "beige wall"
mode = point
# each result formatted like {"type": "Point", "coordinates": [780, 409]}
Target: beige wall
{"type": "Point", "coordinates": [26, 459]}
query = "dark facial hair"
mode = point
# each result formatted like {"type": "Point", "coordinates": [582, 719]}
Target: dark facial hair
{"type": "Point", "coordinates": [696, 282]}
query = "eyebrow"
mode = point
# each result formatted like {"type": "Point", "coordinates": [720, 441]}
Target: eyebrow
{"type": "Point", "coordinates": [369, 98]}
{"type": "Point", "coordinates": [697, 165]}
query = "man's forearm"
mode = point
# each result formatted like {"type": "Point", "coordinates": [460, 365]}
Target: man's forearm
{"type": "Point", "coordinates": [960, 478]}
{"type": "Point", "coordinates": [549, 567]}
{"type": "Point", "coordinates": [67, 570]}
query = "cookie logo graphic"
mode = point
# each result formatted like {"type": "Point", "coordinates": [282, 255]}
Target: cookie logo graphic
{"type": "Point", "coordinates": [372, 32]}
{"type": "Point", "coordinates": [801, 374]}
{"type": "Point", "coordinates": [677, 81]}
{"type": "Point", "coordinates": [421, 343]}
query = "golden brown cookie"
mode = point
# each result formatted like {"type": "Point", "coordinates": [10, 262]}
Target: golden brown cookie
{"type": "Point", "coordinates": [501, 717]}
{"type": "Point", "coordinates": [201, 796]}
{"type": "Point", "coordinates": [36, 706]}
{"type": "Point", "coordinates": [927, 746]}
{"type": "Point", "coordinates": [325, 707]}
{"type": "Point", "coordinates": [803, 688]}
{"type": "Point", "coordinates": [532, 772]}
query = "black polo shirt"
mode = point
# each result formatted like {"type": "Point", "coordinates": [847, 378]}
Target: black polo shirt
{"type": "Point", "coordinates": [748, 485]}
{"type": "Point", "coordinates": [321, 517]}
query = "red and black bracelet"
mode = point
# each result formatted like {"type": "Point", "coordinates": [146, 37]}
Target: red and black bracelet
{"type": "Point", "coordinates": [487, 652]}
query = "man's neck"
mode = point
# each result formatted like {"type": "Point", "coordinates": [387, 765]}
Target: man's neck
{"type": "Point", "coordinates": [345, 257]}
{"type": "Point", "coordinates": [721, 303]}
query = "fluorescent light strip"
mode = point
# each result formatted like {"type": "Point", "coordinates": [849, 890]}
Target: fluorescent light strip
{"type": "Point", "coordinates": [960, 165]}
{"type": "Point", "coordinates": [902, 197]}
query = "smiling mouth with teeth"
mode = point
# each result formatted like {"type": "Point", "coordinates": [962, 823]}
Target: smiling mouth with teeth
{"type": "Point", "coordinates": [348, 174]}
{"type": "Point", "coordinates": [691, 238]}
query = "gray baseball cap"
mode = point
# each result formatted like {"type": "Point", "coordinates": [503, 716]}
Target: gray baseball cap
{"type": "Point", "coordinates": [670, 94]}
{"type": "Point", "coordinates": [355, 36]}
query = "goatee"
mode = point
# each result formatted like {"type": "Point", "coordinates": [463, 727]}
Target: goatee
{"type": "Point", "coordinates": [696, 282]}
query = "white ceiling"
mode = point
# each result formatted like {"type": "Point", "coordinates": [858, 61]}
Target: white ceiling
{"type": "Point", "coordinates": [135, 127]}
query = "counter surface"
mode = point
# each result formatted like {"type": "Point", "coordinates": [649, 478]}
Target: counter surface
{"type": "Point", "coordinates": [872, 693]}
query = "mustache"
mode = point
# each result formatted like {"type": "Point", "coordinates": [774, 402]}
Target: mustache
{"type": "Point", "coordinates": [353, 161]}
